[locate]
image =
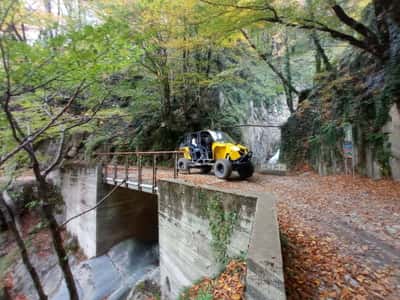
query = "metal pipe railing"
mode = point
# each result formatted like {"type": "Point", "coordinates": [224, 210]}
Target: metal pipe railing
{"type": "Point", "coordinates": [138, 153]}
{"type": "Point", "coordinates": [139, 156]}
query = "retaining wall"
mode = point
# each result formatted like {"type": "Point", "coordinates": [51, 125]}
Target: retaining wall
{"type": "Point", "coordinates": [185, 238]}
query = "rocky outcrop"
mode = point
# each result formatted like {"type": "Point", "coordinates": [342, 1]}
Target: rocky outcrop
{"type": "Point", "coordinates": [362, 94]}
{"type": "Point", "coordinates": [73, 147]}
{"type": "Point", "coordinates": [264, 141]}
{"type": "Point", "coordinates": [393, 130]}
{"type": "Point", "coordinates": [147, 288]}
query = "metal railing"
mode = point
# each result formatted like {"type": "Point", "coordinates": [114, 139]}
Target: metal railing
{"type": "Point", "coordinates": [139, 169]}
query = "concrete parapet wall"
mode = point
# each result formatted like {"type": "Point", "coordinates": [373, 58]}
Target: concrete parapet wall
{"type": "Point", "coordinates": [264, 262]}
{"type": "Point", "coordinates": [80, 190]}
{"type": "Point", "coordinates": [185, 239]}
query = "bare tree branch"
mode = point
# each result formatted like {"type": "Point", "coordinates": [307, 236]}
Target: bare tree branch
{"type": "Point", "coordinates": [58, 157]}
{"type": "Point", "coordinates": [321, 51]}
{"type": "Point", "coordinates": [6, 12]}
{"type": "Point", "coordinates": [31, 138]}
{"type": "Point", "coordinates": [265, 7]}
{"type": "Point", "coordinates": [17, 34]}
{"type": "Point", "coordinates": [370, 43]}
{"type": "Point", "coordinates": [355, 25]}
{"type": "Point", "coordinates": [273, 68]}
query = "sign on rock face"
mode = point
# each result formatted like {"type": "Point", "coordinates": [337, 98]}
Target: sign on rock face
{"type": "Point", "coordinates": [348, 149]}
{"type": "Point", "coordinates": [348, 141]}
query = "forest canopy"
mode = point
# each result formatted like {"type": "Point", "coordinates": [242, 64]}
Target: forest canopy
{"type": "Point", "coordinates": [153, 69]}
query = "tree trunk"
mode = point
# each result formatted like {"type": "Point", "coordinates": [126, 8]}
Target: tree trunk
{"type": "Point", "coordinates": [371, 38]}
{"type": "Point", "coordinates": [166, 106]}
{"type": "Point", "coordinates": [265, 57]}
{"type": "Point", "coordinates": [10, 220]}
{"type": "Point", "coordinates": [288, 71]}
{"type": "Point", "coordinates": [209, 57]}
{"type": "Point", "coordinates": [289, 99]}
{"type": "Point", "coordinates": [381, 15]}
{"type": "Point", "coordinates": [185, 71]}
{"type": "Point", "coordinates": [321, 51]}
{"type": "Point", "coordinates": [47, 211]}
{"type": "Point", "coordinates": [3, 222]}
{"type": "Point", "coordinates": [46, 206]}
{"type": "Point", "coordinates": [318, 65]}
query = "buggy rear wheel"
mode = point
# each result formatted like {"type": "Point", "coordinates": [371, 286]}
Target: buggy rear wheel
{"type": "Point", "coordinates": [183, 164]}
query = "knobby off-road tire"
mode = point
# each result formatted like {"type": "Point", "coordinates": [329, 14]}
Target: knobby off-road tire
{"type": "Point", "coordinates": [246, 171]}
{"type": "Point", "coordinates": [183, 164]}
{"type": "Point", "coordinates": [223, 168]}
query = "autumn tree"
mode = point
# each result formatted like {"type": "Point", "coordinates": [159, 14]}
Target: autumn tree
{"type": "Point", "coordinates": [50, 86]}
{"type": "Point", "coordinates": [329, 17]}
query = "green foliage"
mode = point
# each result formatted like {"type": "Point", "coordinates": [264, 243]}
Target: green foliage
{"type": "Point", "coordinates": [150, 61]}
{"type": "Point", "coordinates": [204, 295]}
{"type": "Point", "coordinates": [381, 148]}
{"type": "Point", "coordinates": [343, 99]}
{"type": "Point", "coordinates": [94, 142]}
{"type": "Point", "coordinates": [382, 104]}
{"type": "Point", "coordinates": [221, 224]}
{"type": "Point", "coordinates": [296, 133]}
{"type": "Point", "coordinates": [46, 72]}
{"type": "Point", "coordinates": [32, 204]}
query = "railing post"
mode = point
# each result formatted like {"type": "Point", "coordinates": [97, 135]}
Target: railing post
{"type": "Point", "coordinates": [175, 164]}
{"type": "Point", "coordinates": [154, 185]}
{"type": "Point", "coordinates": [139, 163]}
{"type": "Point", "coordinates": [126, 170]}
{"type": "Point", "coordinates": [100, 170]}
{"type": "Point", "coordinates": [105, 168]}
{"type": "Point", "coordinates": [115, 170]}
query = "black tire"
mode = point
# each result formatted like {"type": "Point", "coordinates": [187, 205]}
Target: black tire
{"type": "Point", "coordinates": [246, 171]}
{"type": "Point", "coordinates": [205, 169]}
{"type": "Point", "coordinates": [183, 164]}
{"type": "Point", "coordinates": [223, 168]}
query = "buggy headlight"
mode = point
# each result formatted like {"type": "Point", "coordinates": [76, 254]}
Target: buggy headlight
{"type": "Point", "coordinates": [235, 148]}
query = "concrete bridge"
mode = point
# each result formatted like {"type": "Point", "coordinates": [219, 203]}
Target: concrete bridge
{"type": "Point", "coordinates": [153, 206]}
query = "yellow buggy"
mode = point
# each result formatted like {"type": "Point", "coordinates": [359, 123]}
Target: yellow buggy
{"type": "Point", "coordinates": [208, 149]}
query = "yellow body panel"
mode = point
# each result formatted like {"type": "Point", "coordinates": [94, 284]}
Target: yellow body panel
{"type": "Point", "coordinates": [227, 151]}
{"type": "Point", "coordinates": [186, 153]}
